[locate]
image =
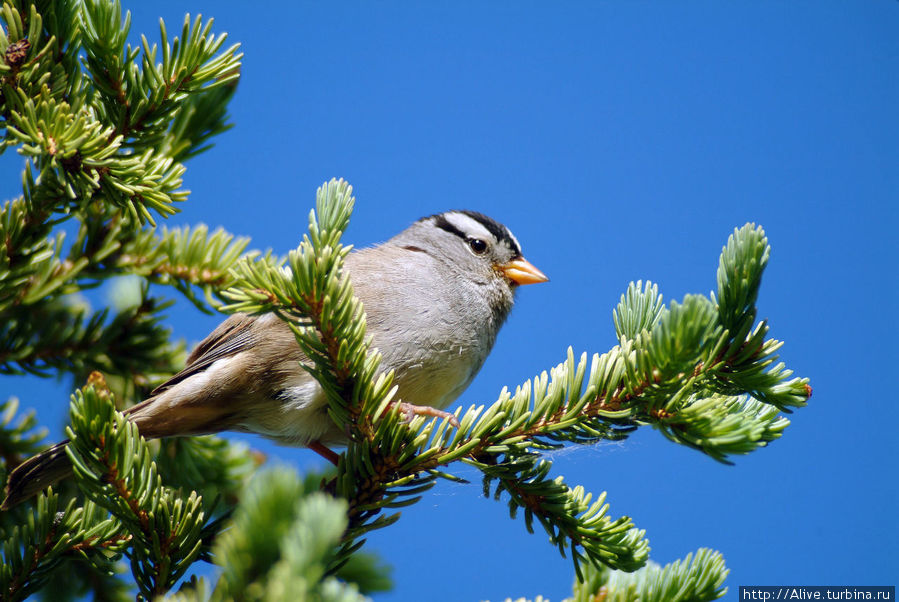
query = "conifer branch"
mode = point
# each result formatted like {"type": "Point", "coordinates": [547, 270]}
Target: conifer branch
{"type": "Point", "coordinates": [125, 146]}
{"type": "Point", "coordinates": [114, 469]}
{"type": "Point", "coordinates": [18, 440]}
{"type": "Point", "coordinates": [86, 172]}
{"type": "Point", "coordinates": [281, 542]}
{"type": "Point", "coordinates": [111, 169]}
{"type": "Point", "coordinates": [217, 469]}
{"type": "Point", "coordinates": [53, 337]}
{"type": "Point", "coordinates": [698, 576]}
{"type": "Point", "coordinates": [141, 101]}
{"type": "Point", "coordinates": [185, 258]}
{"type": "Point", "coordinates": [35, 548]}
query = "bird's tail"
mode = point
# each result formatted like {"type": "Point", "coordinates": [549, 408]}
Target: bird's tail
{"type": "Point", "coordinates": [153, 420]}
{"type": "Point", "coordinates": [36, 473]}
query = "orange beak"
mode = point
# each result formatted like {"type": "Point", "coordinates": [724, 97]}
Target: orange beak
{"type": "Point", "coordinates": [522, 271]}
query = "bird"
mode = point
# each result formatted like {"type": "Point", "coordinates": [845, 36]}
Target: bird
{"type": "Point", "coordinates": [435, 296]}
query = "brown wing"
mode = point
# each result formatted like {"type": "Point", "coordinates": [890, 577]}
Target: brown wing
{"type": "Point", "coordinates": [194, 415]}
{"type": "Point", "coordinates": [232, 336]}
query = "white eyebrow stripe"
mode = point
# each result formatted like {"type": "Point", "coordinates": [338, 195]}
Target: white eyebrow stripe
{"type": "Point", "coordinates": [468, 225]}
{"type": "Point", "coordinates": [514, 240]}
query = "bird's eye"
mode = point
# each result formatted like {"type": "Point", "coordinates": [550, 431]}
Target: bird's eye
{"type": "Point", "coordinates": [477, 245]}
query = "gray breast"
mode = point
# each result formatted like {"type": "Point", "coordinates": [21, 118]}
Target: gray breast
{"type": "Point", "coordinates": [434, 338]}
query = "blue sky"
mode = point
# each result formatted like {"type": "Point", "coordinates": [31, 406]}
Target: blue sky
{"type": "Point", "coordinates": [619, 141]}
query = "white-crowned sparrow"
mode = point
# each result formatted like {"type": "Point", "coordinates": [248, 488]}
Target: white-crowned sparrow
{"type": "Point", "coordinates": [435, 296]}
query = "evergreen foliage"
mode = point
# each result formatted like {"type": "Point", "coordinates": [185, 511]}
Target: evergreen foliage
{"type": "Point", "coordinates": [696, 577]}
{"type": "Point", "coordinates": [104, 128]}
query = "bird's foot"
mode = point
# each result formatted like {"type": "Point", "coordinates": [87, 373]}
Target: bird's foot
{"type": "Point", "coordinates": [319, 448]}
{"type": "Point", "coordinates": [410, 411]}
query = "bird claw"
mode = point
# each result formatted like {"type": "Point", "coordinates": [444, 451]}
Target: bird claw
{"type": "Point", "coordinates": [410, 411]}
{"type": "Point", "coordinates": [326, 453]}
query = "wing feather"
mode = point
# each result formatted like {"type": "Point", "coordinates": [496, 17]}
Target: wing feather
{"type": "Point", "coordinates": [230, 338]}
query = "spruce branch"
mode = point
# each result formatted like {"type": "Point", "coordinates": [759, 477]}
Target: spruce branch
{"type": "Point", "coordinates": [78, 579]}
{"type": "Point", "coordinates": [698, 577]}
{"type": "Point", "coordinates": [570, 517]}
{"type": "Point", "coordinates": [85, 170]}
{"type": "Point", "coordinates": [39, 48]}
{"type": "Point", "coordinates": [20, 439]}
{"type": "Point", "coordinates": [281, 542]}
{"type": "Point", "coordinates": [214, 467]}
{"type": "Point", "coordinates": [51, 534]}
{"type": "Point", "coordinates": [113, 170]}
{"type": "Point", "coordinates": [125, 142]}
{"type": "Point", "coordinates": [202, 117]}
{"type": "Point", "coordinates": [114, 469]}
{"type": "Point", "coordinates": [28, 257]}
{"type": "Point", "coordinates": [184, 258]}
{"type": "Point", "coordinates": [142, 100]}
{"type": "Point", "coordinates": [53, 337]}
{"type": "Point", "coordinates": [640, 309]}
